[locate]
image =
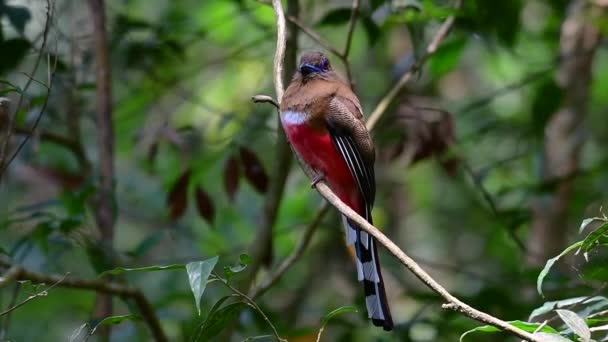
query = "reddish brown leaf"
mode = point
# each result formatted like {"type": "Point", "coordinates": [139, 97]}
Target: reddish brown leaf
{"type": "Point", "coordinates": [254, 171]}
{"type": "Point", "coordinates": [232, 174]}
{"type": "Point", "coordinates": [177, 199]}
{"type": "Point", "coordinates": [65, 179]}
{"type": "Point", "coordinates": [429, 132]}
{"type": "Point", "coordinates": [204, 205]}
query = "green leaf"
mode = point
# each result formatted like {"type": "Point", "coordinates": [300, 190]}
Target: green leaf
{"type": "Point", "coordinates": [593, 237]}
{"type": "Point", "coordinates": [18, 16]}
{"type": "Point", "coordinates": [115, 320]}
{"type": "Point", "coordinates": [447, 56]}
{"type": "Point", "coordinates": [587, 221]}
{"type": "Point", "coordinates": [549, 264]}
{"type": "Point", "coordinates": [219, 320]}
{"type": "Point", "coordinates": [121, 270]}
{"type": "Point", "coordinates": [332, 314]}
{"type": "Point", "coordinates": [548, 337]}
{"type": "Point", "coordinates": [547, 99]}
{"type": "Point", "coordinates": [75, 336]}
{"type": "Point", "coordinates": [229, 271]}
{"type": "Point", "coordinates": [336, 16]}
{"type": "Point", "coordinates": [198, 273]}
{"type": "Point", "coordinates": [372, 30]}
{"type": "Point", "coordinates": [576, 323]}
{"type": "Point", "coordinates": [525, 326]}
{"type": "Point", "coordinates": [13, 51]}
{"type": "Point", "coordinates": [596, 302]}
{"type": "Point", "coordinates": [146, 244]}
{"type": "Point", "coordinates": [3, 251]}
{"type": "Point", "coordinates": [337, 312]}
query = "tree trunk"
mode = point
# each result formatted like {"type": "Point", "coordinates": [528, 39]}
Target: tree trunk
{"type": "Point", "coordinates": [564, 136]}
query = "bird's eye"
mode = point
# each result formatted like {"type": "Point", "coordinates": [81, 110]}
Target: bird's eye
{"type": "Point", "coordinates": [324, 63]}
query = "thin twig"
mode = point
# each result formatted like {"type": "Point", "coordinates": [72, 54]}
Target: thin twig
{"type": "Point", "coordinates": [280, 51]}
{"type": "Point", "coordinates": [18, 273]}
{"type": "Point", "coordinates": [315, 36]}
{"type": "Point", "coordinates": [266, 99]}
{"type": "Point", "coordinates": [4, 163]}
{"type": "Point", "coordinates": [354, 14]}
{"type": "Point", "coordinates": [430, 50]}
{"type": "Point", "coordinates": [253, 304]}
{"type": "Point", "coordinates": [293, 257]}
{"type": "Point", "coordinates": [42, 293]}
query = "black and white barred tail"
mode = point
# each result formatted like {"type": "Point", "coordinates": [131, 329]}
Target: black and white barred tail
{"type": "Point", "coordinates": [368, 272]}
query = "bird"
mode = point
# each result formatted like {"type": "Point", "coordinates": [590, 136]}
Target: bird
{"type": "Point", "coordinates": [324, 123]}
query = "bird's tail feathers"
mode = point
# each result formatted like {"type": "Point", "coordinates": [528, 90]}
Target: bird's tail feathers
{"type": "Point", "coordinates": [368, 272]}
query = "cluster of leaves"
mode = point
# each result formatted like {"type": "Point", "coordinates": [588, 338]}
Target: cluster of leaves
{"type": "Point", "coordinates": [582, 317]}
{"type": "Point", "coordinates": [177, 198]}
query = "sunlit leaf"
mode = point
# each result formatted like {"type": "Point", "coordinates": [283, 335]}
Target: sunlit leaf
{"type": "Point", "coordinates": [548, 337]}
{"type": "Point", "coordinates": [525, 326]}
{"type": "Point", "coordinates": [587, 221]}
{"type": "Point", "coordinates": [576, 323]}
{"type": "Point", "coordinates": [198, 273]}
{"type": "Point", "coordinates": [581, 302]}
{"type": "Point", "coordinates": [594, 236]}
{"type": "Point", "coordinates": [75, 336]}
{"type": "Point", "coordinates": [121, 270]}
{"type": "Point", "coordinates": [549, 264]}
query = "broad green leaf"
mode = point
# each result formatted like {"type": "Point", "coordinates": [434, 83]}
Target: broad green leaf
{"type": "Point", "coordinates": [121, 270]}
{"type": "Point", "coordinates": [198, 273]}
{"type": "Point", "coordinates": [338, 311]}
{"type": "Point", "coordinates": [576, 323]}
{"type": "Point", "coordinates": [218, 321]}
{"type": "Point", "coordinates": [594, 236]}
{"type": "Point", "coordinates": [3, 251]}
{"type": "Point", "coordinates": [564, 303]}
{"type": "Point", "coordinates": [549, 264]}
{"type": "Point", "coordinates": [525, 326]}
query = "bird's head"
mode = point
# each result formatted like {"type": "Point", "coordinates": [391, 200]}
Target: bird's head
{"type": "Point", "coordinates": [313, 63]}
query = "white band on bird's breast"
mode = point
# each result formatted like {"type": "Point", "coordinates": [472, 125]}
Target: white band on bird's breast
{"type": "Point", "coordinates": [292, 117]}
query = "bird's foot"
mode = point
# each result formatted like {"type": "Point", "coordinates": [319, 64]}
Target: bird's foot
{"type": "Point", "coordinates": [316, 179]}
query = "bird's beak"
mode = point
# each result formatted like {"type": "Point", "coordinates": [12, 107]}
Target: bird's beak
{"type": "Point", "coordinates": [307, 69]}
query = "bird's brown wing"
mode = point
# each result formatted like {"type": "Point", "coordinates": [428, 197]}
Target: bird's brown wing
{"type": "Point", "coordinates": [345, 125]}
